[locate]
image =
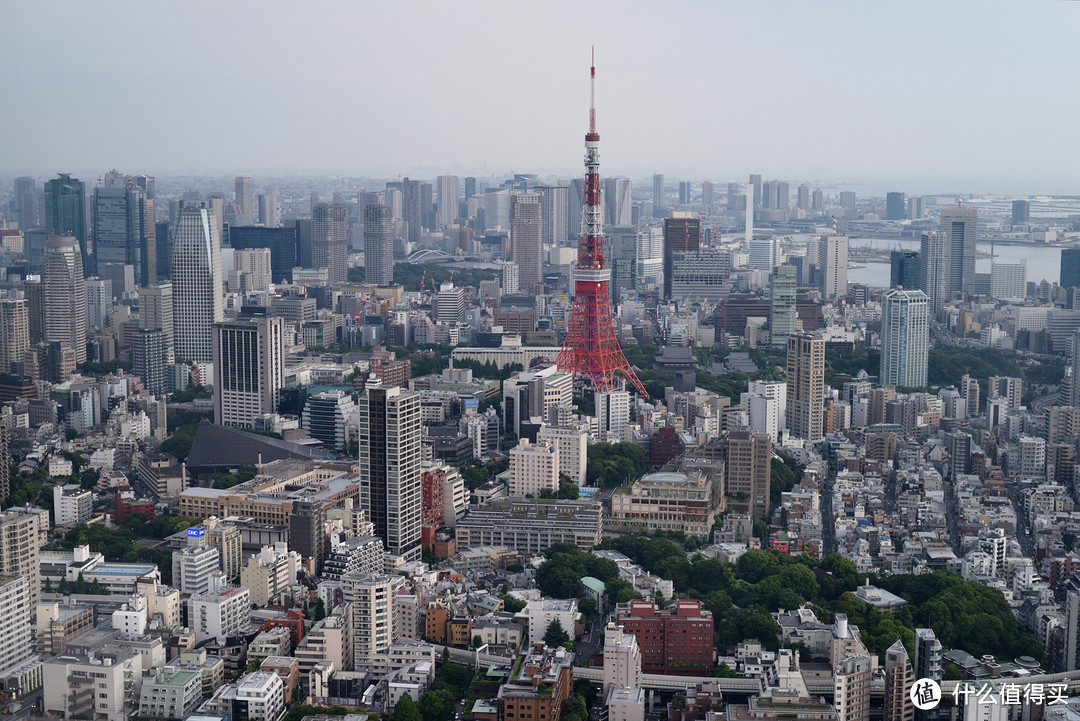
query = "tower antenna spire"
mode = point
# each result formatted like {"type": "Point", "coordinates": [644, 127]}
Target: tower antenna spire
{"type": "Point", "coordinates": [592, 93]}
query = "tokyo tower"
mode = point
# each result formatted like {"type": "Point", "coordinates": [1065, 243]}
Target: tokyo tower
{"type": "Point", "coordinates": [590, 350]}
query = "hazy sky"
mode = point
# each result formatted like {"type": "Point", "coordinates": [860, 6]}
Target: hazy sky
{"type": "Point", "coordinates": [922, 95]}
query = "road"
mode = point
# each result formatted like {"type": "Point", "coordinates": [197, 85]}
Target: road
{"type": "Point", "coordinates": [1040, 404]}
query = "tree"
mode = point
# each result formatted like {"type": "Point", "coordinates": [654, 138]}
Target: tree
{"type": "Point", "coordinates": [406, 710]}
{"type": "Point", "coordinates": [511, 604]}
{"type": "Point", "coordinates": [477, 641]}
{"type": "Point", "coordinates": [320, 610]}
{"type": "Point", "coordinates": [48, 585]}
{"type": "Point", "coordinates": [436, 705]}
{"type": "Point", "coordinates": [568, 490]}
{"type": "Point", "coordinates": [555, 635]}
{"type": "Point", "coordinates": [95, 587]}
{"type": "Point", "coordinates": [575, 709]}
{"type": "Point", "coordinates": [80, 584]}
{"type": "Point", "coordinates": [587, 605]}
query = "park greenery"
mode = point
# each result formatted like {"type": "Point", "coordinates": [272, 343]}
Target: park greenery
{"type": "Point", "coordinates": [118, 544]}
{"type": "Point", "coordinates": [947, 365]}
{"type": "Point", "coordinates": [742, 596]}
{"type": "Point", "coordinates": [614, 464]}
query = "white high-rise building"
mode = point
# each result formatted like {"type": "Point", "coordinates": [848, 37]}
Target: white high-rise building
{"type": "Point", "coordinates": [526, 239]}
{"type": "Point", "coordinates": [378, 245]}
{"type": "Point", "coordinates": [905, 338]}
{"type": "Point", "coordinates": [765, 403]}
{"type": "Point", "coordinates": [622, 659]}
{"type": "Point", "coordinates": [251, 270]}
{"type": "Point", "coordinates": [371, 596]}
{"type": "Point", "coordinates": [64, 295]}
{"type": "Point", "coordinates": [249, 362]}
{"type": "Point", "coordinates": [1032, 458]}
{"type": "Point", "coordinates": [98, 302]}
{"type": "Point", "coordinates": [268, 214]}
{"type": "Point", "coordinates": [447, 186]}
{"type": "Point", "coordinates": [851, 688]}
{"type": "Point", "coordinates": [934, 269]}
{"type": "Point", "coordinates": [245, 200]}
{"type": "Point", "coordinates": [330, 240]}
{"type": "Point", "coordinates": [16, 646]}
{"type": "Point", "coordinates": [194, 568]}
{"type": "Point", "coordinates": [510, 278]}
{"type": "Point", "coordinates": [572, 442]}
{"type": "Point", "coordinates": [219, 614]}
{"type": "Point", "coordinates": [832, 265]}
{"type": "Point", "coordinates": [612, 415]}
{"type": "Point", "coordinates": [389, 454]}
{"type": "Point", "coordinates": [23, 532]}
{"type": "Point", "coordinates": [1008, 280]}
{"type": "Point", "coordinates": [196, 284]}
{"type": "Point", "coordinates": [534, 467]}
{"type": "Point", "coordinates": [617, 202]}
{"type": "Point", "coordinates": [762, 253]}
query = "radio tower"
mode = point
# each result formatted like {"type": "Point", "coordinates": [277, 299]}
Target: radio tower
{"type": "Point", "coordinates": [590, 350]}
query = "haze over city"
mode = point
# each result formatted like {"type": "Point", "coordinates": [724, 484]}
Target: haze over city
{"type": "Point", "coordinates": [416, 361]}
{"type": "Point", "coordinates": [935, 97]}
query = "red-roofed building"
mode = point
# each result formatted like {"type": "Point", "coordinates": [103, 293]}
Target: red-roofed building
{"type": "Point", "coordinates": [432, 503]}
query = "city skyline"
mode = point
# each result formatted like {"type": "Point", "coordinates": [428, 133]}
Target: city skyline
{"type": "Point", "coordinates": [875, 124]}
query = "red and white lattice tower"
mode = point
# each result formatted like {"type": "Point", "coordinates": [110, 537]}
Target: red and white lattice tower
{"type": "Point", "coordinates": [591, 351]}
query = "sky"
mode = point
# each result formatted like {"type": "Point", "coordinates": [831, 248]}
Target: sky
{"type": "Point", "coordinates": [921, 95]}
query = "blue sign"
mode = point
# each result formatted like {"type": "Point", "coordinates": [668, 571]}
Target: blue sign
{"type": "Point", "coordinates": [472, 404]}
{"type": "Point", "coordinates": [195, 532]}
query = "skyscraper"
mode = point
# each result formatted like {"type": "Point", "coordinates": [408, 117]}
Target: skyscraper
{"type": "Point", "coordinates": [1021, 211]}
{"type": "Point", "coordinates": [708, 190]}
{"type": "Point", "coordinates": [806, 386]}
{"type": "Point", "coordinates": [24, 203]}
{"type": "Point", "coordinates": [894, 206]}
{"type": "Point", "coordinates": [196, 284]}
{"type": "Point", "coordinates": [23, 532]}
{"type": "Point", "coordinates": [904, 269]}
{"type": "Point", "coordinates": [782, 313]}
{"type": "Point", "coordinates": [803, 202]}
{"type": "Point", "coordinates": [755, 181]}
{"type": "Point", "coordinates": [14, 333]}
{"type": "Point", "coordinates": [448, 200]}
{"type": "Point", "coordinates": [245, 199]}
{"type": "Point", "coordinates": [905, 338]}
{"type": "Point", "coordinates": [268, 215]}
{"type": "Point", "coordinates": [832, 265]}
{"type": "Point", "coordinates": [64, 295]}
{"type": "Point", "coordinates": [389, 455]}
{"type": "Point", "coordinates": [934, 269]}
{"type": "Point", "coordinates": [554, 200]}
{"type": "Point", "coordinates": [617, 201]}
{"type": "Point", "coordinates": [65, 210]}
{"type": "Point", "coordinates": [526, 240]}
{"type": "Point", "coordinates": [762, 253]}
{"type": "Point", "coordinates": [416, 206]}
{"type": "Point", "coordinates": [378, 245]}
{"type": "Point", "coordinates": [916, 207]}
{"type": "Point", "coordinates": [959, 226]}
{"type": "Point", "coordinates": [330, 240]}
{"type": "Point", "coordinates": [682, 232]}
{"type": "Point", "coordinates": [124, 228]}
{"type": "Point", "coordinates": [1070, 268]}
{"type": "Point", "coordinates": [282, 242]}
{"type": "Point", "coordinates": [657, 192]}
{"type": "Point", "coordinates": [249, 369]}
{"type": "Point", "coordinates": [685, 190]}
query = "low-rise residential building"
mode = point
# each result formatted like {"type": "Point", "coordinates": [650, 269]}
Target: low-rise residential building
{"type": "Point", "coordinates": [169, 694]}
